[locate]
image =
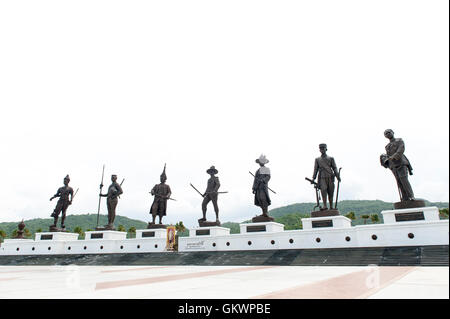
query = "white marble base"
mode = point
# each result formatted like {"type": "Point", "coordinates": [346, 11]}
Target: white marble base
{"type": "Point", "coordinates": [326, 222]}
{"type": "Point", "coordinates": [401, 215]}
{"type": "Point", "coordinates": [105, 235]}
{"type": "Point", "coordinates": [56, 236]}
{"type": "Point", "coordinates": [264, 227]}
{"type": "Point", "coordinates": [17, 240]}
{"type": "Point", "coordinates": [151, 233]}
{"type": "Point", "coordinates": [208, 231]}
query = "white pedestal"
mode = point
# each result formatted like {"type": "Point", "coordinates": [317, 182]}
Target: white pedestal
{"type": "Point", "coordinates": [265, 227]}
{"type": "Point", "coordinates": [326, 222]}
{"type": "Point", "coordinates": [106, 234]}
{"type": "Point", "coordinates": [209, 231]}
{"type": "Point", "coordinates": [151, 233]}
{"type": "Point", "coordinates": [56, 236]}
{"type": "Point", "coordinates": [410, 215]}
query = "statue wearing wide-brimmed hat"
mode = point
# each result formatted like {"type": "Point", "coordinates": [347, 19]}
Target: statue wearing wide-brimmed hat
{"type": "Point", "coordinates": [261, 189]}
{"type": "Point", "coordinates": [211, 194]}
{"type": "Point", "coordinates": [65, 195]}
{"type": "Point", "coordinates": [162, 194]}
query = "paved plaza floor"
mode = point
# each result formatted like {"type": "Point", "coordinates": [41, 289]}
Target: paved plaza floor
{"type": "Point", "coordinates": [222, 282]}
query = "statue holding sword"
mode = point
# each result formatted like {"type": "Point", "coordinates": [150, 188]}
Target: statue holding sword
{"type": "Point", "coordinates": [162, 193]}
{"type": "Point", "coordinates": [261, 189]}
{"type": "Point", "coordinates": [211, 194]}
{"type": "Point", "coordinates": [66, 195]}
{"type": "Point", "coordinates": [326, 171]}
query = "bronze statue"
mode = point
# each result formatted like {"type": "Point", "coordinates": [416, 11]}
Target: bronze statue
{"type": "Point", "coordinates": [325, 168]}
{"type": "Point", "coordinates": [261, 189]}
{"type": "Point", "coordinates": [63, 203]}
{"type": "Point", "coordinates": [20, 230]}
{"type": "Point", "coordinates": [396, 161]}
{"type": "Point", "coordinates": [162, 193]}
{"type": "Point", "coordinates": [114, 191]}
{"type": "Point", "coordinates": [211, 194]}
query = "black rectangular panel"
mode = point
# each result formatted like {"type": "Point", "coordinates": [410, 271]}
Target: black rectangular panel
{"type": "Point", "coordinates": [97, 236]}
{"type": "Point", "coordinates": [322, 223]}
{"type": "Point", "coordinates": [202, 232]}
{"type": "Point", "coordinates": [254, 229]}
{"type": "Point", "coordinates": [148, 234]}
{"type": "Point", "coordinates": [46, 237]}
{"type": "Point", "coordinates": [405, 217]}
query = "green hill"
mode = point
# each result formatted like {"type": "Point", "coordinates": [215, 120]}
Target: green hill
{"type": "Point", "coordinates": [290, 216]}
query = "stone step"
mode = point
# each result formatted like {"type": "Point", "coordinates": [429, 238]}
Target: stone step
{"type": "Point", "coordinates": [382, 256]}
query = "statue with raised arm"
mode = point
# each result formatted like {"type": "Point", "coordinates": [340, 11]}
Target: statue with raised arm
{"type": "Point", "coordinates": [398, 163]}
{"type": "Point", "coordinates": [162, 194]}
{"type": "Point", "coordinates": [260, 189]}
{"type": "Point", "coordinates": [326, 171]}
{"type": "Point", "coordinates": [114, 191]}
{"type": "Point", "coordinates": [65, 194]}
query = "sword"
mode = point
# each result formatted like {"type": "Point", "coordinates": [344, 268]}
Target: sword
{"type": "Point", "coordinates": [163, 196]}
{"type": "Point", "coordinates": [121, 184]}
{"type": "Point", "coordinates": [74, 195]}
{"type": "Point", "coordinates": [317, 188]}
{"type": "Point", "coordinates": [267, 186]}
{"type": "Point", "coordinates": [197, 190]}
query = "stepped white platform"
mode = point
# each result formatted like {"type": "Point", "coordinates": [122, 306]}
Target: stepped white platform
{"type": "Point", "coordinates": [402, 227]}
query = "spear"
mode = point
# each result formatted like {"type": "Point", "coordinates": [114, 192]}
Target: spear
{"type": "Point", "coordinates": [100, 194]}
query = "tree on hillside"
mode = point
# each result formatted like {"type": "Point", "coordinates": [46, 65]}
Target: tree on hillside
{"type": "Point", "coordinates": [2, 235]}
{"type": "Point", "coordinates": [132, 231]}
{"type": "Point", "coordinates": [27, 233]}
{"type": "Point", "coordinates": [39, 230]}
{"type": "Point", "coordinates": [180, 227]}
{"type": "Point", "coordinates": [14, 233]}
{"type": "Point", "coordinates": [79, 231]}
{"type": "Point", "coordinates": [351, 215]}
{"type": "Point", "coordinates": [443, 213]}
{"type": "Point", "coordinates": [374, 218]}
{"type": "Point", "coordinates": [121, 228]}
{"type": "Point", "coordinates": [365, 217]}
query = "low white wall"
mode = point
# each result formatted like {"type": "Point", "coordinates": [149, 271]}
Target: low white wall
{"type": "Point", "coordinates": [411, 233]}
{"type": "Point", "coordinates": [424, 233]}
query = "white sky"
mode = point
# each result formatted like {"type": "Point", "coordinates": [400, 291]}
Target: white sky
{"type": "Point", "coordinates": [135, 84]}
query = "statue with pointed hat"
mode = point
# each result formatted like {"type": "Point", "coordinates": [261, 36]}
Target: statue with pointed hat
{"type": "Point", "coordinates": [162, 193]}
{"type": "Point", "coordinates": [211, 195]}
{"type": "Point", "coordinates": [261, 189]}
{"type": "Point", "coordinates": [65, 195]}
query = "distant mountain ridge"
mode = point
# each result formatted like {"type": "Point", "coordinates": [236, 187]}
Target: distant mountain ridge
{"type": "Point", "coordinates": [359, 207]}
{"type": "Point", "coordinates": [85, 221]}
